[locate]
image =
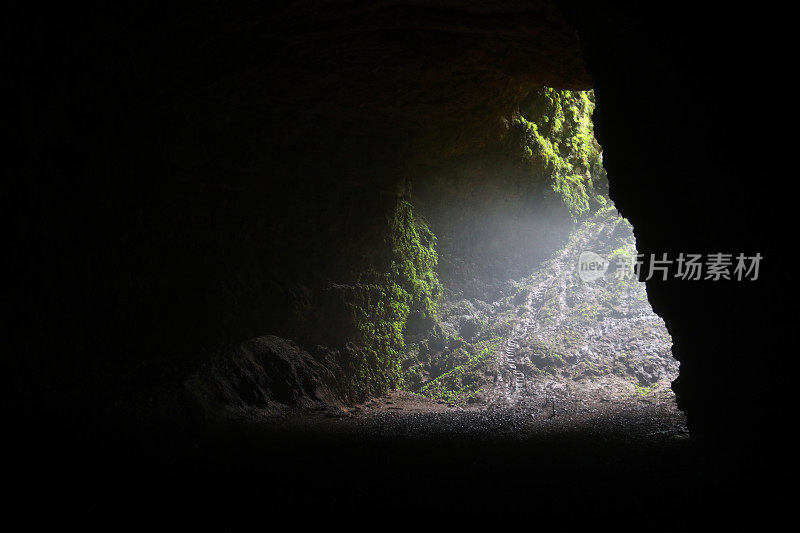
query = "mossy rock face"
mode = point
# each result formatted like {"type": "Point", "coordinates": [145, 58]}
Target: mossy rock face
{"type": "Point", "coordinates": [470, 328]}
{"type": "Point", "coordinates": [556, 134]}
{"type": "Point", "coordinates": [390, 291]}
{"type": "Point", "coordinates": [545, 358]}
{"type": "Point", "coordinates": [462, 375]}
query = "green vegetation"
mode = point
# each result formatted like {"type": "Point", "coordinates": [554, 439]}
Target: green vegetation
{"type": "Point", "coordinates": [384, 298]}
{"type": "Point", "coordinates": [583, 330]}
{"type": "Point", "coordinates": [462, 383]}
{"type": "Point", "coordinates": [558, 135]}
{"type": "Point", "coordinates": [644, 390]}
{"type": "Point", "coordinates": [546, 358]}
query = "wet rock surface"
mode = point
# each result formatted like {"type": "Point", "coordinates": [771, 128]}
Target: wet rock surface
{"type": "Point", "coordinates": [549, 329]}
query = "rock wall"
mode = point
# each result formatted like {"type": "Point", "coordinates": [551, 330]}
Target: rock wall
{"type": "Point", "coordinates": [685, 169]}
{"type": "Point", "coordinates": [578, 330]}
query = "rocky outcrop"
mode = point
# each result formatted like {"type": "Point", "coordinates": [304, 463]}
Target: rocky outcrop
{"type": "Point", "coordinates": [266, 375]}
{"type": "Point", "coordinates": [584, 328]}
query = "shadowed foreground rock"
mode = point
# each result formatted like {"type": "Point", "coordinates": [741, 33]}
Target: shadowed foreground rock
{"type": "Point", "coordinates": [260, 377]}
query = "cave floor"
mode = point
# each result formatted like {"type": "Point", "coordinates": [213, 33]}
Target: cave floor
{"type": "Point", "coordinates": [407, 458]}
{"type": "Point", "coordinates": [402, 453]}
{"type": "Point", "coordinates": [548, 404]}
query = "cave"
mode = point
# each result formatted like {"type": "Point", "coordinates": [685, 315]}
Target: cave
{"type": "Point", "coordinates": [234, 228]}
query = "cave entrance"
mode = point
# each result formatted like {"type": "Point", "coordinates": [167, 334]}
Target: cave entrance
{"type": "Point", "coordinates": [542, 307]}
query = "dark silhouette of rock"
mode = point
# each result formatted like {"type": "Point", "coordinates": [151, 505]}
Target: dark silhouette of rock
{"type": "Point", "coordinates": [267, 373]}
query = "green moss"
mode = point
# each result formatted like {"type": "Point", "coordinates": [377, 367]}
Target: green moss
{"type": "Point", "coordinates": [461, 384]}
{"type": "Point", "coordinates": [587, 312]}
{"type": "Point", "coordinates": [546, 356]}
{"type": "Point", "coordinates": [558, 135]}
{"type": "Point", "coordinates": [644, 390]}
{"type": "Point", "coordinates": [388, 293]}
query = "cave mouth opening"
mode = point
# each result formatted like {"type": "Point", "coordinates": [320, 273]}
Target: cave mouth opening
{"type": "Point", "coordinates": [573, 336]}
{"type": "Point", "coordinates": [525, 289]}
{"type": "Point", "coordinates": [463, 281]}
